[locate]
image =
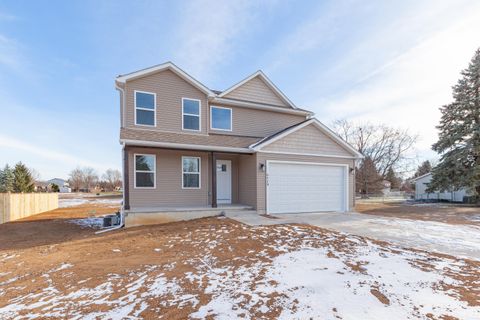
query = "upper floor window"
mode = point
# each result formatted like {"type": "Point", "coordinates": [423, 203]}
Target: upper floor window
{"type": "Point", "coordinates": [145, 170]}
{"type": "Point", "coordinates": [145, 103]}
{"type": "Point", "coordinates": [221, 118]}
{"type": "Point", "coordinates": [191, 114]}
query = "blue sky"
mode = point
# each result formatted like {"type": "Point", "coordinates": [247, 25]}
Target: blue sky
{"type": "Point", "coordinates": [380, 61]}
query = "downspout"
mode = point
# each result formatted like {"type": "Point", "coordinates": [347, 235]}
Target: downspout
{"type": "Point", "coordinates": [122, 105]}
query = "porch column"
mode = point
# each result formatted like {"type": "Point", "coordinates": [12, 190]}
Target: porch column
{"type": "Point", "coordinates": [214, 179]}
{"type": "Point", "coordinates": [126, 184]}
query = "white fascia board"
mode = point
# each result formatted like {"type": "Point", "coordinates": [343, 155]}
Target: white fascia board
{"type": "Point", "coordinates": [253, 105]}
{"type": "Point", "coordinates": [269, 83]}
{"type": "Point", "coordinates": [164, 66]}
{"type": "Point", "coordinates": [422, 176]}
{"type": "Point", "coordinates": [259, 145]}
{"type": "Point", "coordinates": [144, 143]}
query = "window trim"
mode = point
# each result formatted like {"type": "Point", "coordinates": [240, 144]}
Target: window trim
{"type": "Point", "coordinates": [199, 173]}
{"type": "Point", "coordinates": [145, 109]}
{"type": "Point", "coordinates": [143, 171]}
{"type": "Point", "coordinates": [199, 115]}
{"type": "Point", "coordinates": [211, 119]}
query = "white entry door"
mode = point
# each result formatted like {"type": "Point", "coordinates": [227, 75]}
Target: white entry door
{"type": "Point", "coordinates": [306, 187]}
{"type": "Point", "coordinates": [224, 181]}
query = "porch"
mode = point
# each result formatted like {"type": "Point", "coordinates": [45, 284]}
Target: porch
{"type": "Point", "coordinates": [186, 184]}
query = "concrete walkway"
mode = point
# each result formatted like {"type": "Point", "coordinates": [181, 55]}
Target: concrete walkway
{"type": "Point", "coordinates": [457, 240]}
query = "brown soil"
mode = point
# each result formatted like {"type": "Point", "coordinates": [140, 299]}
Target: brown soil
{"type": "Point", "coordinates": [380, 296]}
{"type": "Point", "coordinates": [447, 213]}
{"type": "Point", "coordinates": [41, 243]}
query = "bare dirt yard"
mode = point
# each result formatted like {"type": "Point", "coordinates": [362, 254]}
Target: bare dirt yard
{"type": "Point", "coordinates": [440, 212]}
{"type": "Point", "coordinates": [55, 266]}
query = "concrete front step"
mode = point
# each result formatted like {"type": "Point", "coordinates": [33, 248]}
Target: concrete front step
{"type": "Point", "coordinates": [147, 216]}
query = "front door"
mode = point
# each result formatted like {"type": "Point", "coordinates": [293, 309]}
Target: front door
{"type": "Point", "coordinates": [224, 181]}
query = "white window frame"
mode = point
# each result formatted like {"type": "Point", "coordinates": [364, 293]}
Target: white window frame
{"type": "Point", "coordinates": [144, 171]}
{"type": "Point", "coordinates": [199, 172]}
{"type": "Point", "coordinates": [199, 115]}
{"type": "Point", "coordinates": [145, 109]}
{"type": "Point", "coordinates": [211, 118]}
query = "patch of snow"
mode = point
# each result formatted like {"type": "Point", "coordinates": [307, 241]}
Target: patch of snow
{"type": "Point", "coordinates": [71, 202]}
{"type": "Point", "coordinates": [95, 222]}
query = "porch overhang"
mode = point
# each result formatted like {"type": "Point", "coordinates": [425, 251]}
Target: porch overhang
{"type": "Point", "coordinates": [182, 146]}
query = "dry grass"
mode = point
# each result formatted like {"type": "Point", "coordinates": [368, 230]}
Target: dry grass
{"type": "Point", "coordinates": [447, 213]}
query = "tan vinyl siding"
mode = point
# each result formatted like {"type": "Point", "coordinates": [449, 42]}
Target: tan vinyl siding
{"type": "Point", "coordinates": [308, 140]}
{"type": "Point", "coordinates": [170, 89]}
{"type": "Point", "coordinates": [248, 180]}
{"type": "Point", "coordinates": [263, 157]}
{"type": "Point", "coordinates": [256, 90]}
{"type": "Point", "coordinates": [168, 191]}
{"type": "Point", "coordinates": [258, 123]}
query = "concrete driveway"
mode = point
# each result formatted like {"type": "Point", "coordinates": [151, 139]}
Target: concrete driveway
{"type": "Point", "coordinates": [457, 240]}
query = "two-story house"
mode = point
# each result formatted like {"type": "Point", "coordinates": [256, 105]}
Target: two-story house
{"type": "Point", "coordinates": [189, 151]}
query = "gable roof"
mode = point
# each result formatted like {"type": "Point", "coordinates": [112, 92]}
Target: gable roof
{"type": "Point", "coordinates": [422, 176]}
{"type": "Point", "coordinates": [267, 81]}
{"type": "Point", "coordinates": [257, 146]}
{"type": "Point", "coordinates": [166, 66]}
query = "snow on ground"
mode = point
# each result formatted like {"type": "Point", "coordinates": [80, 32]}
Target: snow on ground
{"type": "Point", "coordinates": [462, 240]}
{"type": "Point", "coordinates": [294, 272]}
{"type": "Point", "coordinates": [70, 200]}
{"type": "Point", "coordinates": [95, 222]}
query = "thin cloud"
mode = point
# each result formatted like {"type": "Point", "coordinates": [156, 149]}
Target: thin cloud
{"type": "Point", "coordinates": [8, 142]}
{"type": "Point", "coordinates": [209, 31]}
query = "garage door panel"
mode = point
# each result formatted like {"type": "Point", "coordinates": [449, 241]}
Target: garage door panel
{"type": "Point", "coordinates": [297, 187]}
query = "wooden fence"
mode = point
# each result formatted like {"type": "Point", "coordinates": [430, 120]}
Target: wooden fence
{"type": "Point", "coordinates": [15, 206]}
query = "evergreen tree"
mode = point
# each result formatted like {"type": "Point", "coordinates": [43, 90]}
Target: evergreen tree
{"type": "Point", "coordinates": [6, 179]}
{"type": "Point", "coordinates": [395, 182]}
{"type": "Point", "coordinates": [422, 169]}
{"type": "Point", "coordinates": [23, 181]}
{"type": "Point", "coordinates": [368, 180]}
{"type": "Point", "coordinates": [459, 137]}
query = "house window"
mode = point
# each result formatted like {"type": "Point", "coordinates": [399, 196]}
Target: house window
{"type": "Point", "coordinates": [190, 114]}
{"type": "Point", "coordinates": [145, 170]}
{"type": "Point", "coordinates": [190, 172]}
{"type": "Point", "coordinates": [221, 118]}
{"type": "Point", "coordinates": [145, 108]}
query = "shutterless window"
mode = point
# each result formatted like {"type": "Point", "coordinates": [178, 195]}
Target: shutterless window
{"type": "Point", "coordinates": [144, 171]}
{"type": "Point", "coordinates": [221, 118]}
{"type": "Point", "coordinates": [190, 172]}
{"type": "Point", "coordinates": [144, 108]}
{"type": "Point", "coordinates": [191, 114]}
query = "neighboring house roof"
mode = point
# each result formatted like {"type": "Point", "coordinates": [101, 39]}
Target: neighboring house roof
{"type": "Point", "coordinates": [166, 66]}
{"type": "Point", "coordinates": [267, 81]}
{"type": "Point", "coordinates": [257, 146]}
{"type": "Point", "coordinates": [214, 142]}
{"type": "Point", "coordinates": [422, 176]}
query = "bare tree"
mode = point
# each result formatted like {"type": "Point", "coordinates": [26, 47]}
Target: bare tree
{"type": "Point", "coordinates": [113, 178]}
{"type": "Point", "coordinates": [90, 178]}
{"type": "Point", "coordinates": [75, 179]}
{"type": "Point", "coordinates": [35, 174]}
{"type": "Point", "coordinates": [386, 146]}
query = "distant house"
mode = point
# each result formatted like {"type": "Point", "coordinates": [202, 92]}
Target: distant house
{"type": "Point", "coordinates": [421, 184]}
{"type": "Point", "coordinates": [63, 185]}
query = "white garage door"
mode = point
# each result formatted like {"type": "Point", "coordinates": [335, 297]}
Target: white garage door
{"type": "Point", "coordinates": [301, 187]}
